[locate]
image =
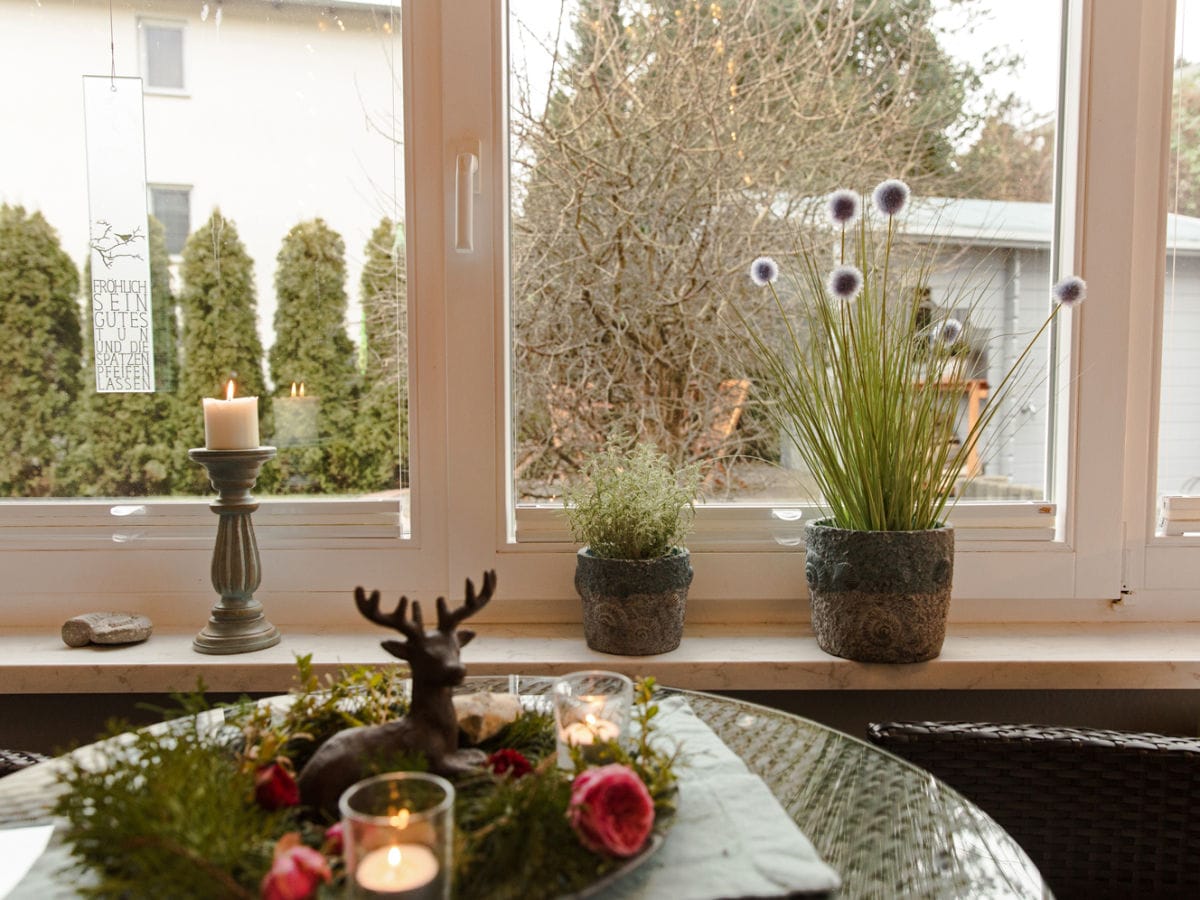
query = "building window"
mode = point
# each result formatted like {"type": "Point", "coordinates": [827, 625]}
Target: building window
{"type": "Point", "coordinates": [172, 207]}
{"type": "Point", "coordinates": [162, 55]}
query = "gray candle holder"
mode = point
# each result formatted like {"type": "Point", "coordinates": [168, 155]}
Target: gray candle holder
{"type": "Point", "coordinates": [236, 623]}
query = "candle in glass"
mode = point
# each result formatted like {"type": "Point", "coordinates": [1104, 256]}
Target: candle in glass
{"type": "Point", "coordinates": [232, 423]}
{"type": "Point", "coordinates": [591, 709]}
{"type": "Point", "coordinates": [399, 833]}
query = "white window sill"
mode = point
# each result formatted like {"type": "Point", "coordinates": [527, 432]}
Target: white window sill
{"type": "Point", "coordinates": [715, 658]}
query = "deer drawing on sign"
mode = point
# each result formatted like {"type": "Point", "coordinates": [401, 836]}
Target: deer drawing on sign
{"type": "Point", "coordinates": [430, 728]}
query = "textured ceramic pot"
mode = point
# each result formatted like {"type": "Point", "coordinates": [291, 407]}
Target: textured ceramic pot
{"type": "Point", "coordinates": [633, 607]}
{"type": "Point", "coordinates": [879, 596]}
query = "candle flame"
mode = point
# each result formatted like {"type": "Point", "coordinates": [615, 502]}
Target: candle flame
{"type": "Point", "coordinates": [293, 389]}
{"type": "Point", "coordinates": [302, 389]}
{"type": "Point", "coordinates": [591, 721]}
{"type": "Point", "coordinates": [229, 389]}
{"type": "Point", "coordinates": [394, 857]}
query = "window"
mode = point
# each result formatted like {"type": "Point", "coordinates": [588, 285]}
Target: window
{"type": "Point", "coordinates": [172, 207]}
{"type": "Point", "coordinates": [283, 263]}
{"type": "Point", "coordinates": [470, 510]}
{"type": "Point", "coordinates": [162, 55]}
{"type": "Point", "coordinates": [654, 154]}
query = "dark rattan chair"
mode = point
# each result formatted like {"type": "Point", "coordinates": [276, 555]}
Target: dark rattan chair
{"type": "Point", "coordinates": [14, 760]}
{"type": "Point", "coordinates": [1101, 813]}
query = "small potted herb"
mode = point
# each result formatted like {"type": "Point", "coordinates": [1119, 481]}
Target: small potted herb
{"type": "Point", "coordinates": [632, 511]}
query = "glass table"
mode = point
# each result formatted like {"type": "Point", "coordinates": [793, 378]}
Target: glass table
{"type": "Point", "coordinates": [889, 828]}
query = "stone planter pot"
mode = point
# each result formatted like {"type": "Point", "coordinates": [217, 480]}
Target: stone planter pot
{"type": "Point", "coordinates": [633, 607]}
{"type": "Point", "coordinates": [879, 596]}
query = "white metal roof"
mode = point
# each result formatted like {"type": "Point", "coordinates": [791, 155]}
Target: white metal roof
{"type": "Point", "coordinates": [1012, 223]}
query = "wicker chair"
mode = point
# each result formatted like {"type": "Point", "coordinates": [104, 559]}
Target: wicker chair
{"type": "Point", "coordinates": [14, 760]}
{"type": "Point", "coordinates": [1101, 813]}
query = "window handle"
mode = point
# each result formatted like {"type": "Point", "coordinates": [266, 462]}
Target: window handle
{"type": "Point", "coordinates": [466, 186]}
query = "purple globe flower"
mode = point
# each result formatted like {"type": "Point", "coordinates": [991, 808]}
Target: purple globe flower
{"type": "Point", "coordinates": [844, 283]}
{"type": "Point", "coordinates": [763, 271]}
{"type": "Point", "coordinates": [842, 207]}
{"type": "Point", "coordinates": [891, 196]}
{"type": "Point", "coordinates": [950, 331]}
{"type": "Point", "coordinates": [1071, 290]}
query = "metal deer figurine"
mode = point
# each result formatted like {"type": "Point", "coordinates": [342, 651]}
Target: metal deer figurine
{"type": "Point", "coordinates": [430, 728]}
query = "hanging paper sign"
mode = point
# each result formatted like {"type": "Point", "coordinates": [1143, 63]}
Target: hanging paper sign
{"type": "Point", "coordinates": [120, 248]}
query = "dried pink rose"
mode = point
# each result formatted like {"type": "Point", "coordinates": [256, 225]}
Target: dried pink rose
{"type": "Point", "coordinates": [297, 871]}
{"type": "Point", "coordinates": [611, 810]}
{"type": "Point", "coordinates": [275, 788]}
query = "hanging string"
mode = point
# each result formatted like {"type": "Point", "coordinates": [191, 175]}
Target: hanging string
{"type": "Point", "coordinates": [112, 51]}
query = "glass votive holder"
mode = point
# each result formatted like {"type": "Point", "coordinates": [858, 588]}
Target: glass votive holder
{"type": "Point", "coordinates": [398, 830]}
{"type": "Point", "coordinates": [590, 709]}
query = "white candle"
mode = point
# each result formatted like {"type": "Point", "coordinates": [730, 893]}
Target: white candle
{"type": "Point", "coordinates": [232, 423]}
{"type": "Point", "coordinates": [590, 731]}
{"type": "Point", "coordinates": [397, 869]}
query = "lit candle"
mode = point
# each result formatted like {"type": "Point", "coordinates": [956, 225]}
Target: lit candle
{"type": "Point", "coordinates": [400, 870]}
{"type": "Point", "coordinates": [232, 423]}
{"type": "Point", "coordinates": [295, 418]}
{"type": "Point", "coordinates": [591, 730]}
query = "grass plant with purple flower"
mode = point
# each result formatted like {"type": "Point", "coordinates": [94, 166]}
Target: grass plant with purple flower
{"type": "Point", "coordinates": [844, 283]}
{"type": "Point", "coordinates": [858, 386]}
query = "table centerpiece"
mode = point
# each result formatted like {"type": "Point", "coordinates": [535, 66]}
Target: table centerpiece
{"type": "Point", "coordinates": [209, 804]}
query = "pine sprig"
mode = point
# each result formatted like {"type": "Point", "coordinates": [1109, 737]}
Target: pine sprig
{"type": "Point", "coordinates": [171, 806]}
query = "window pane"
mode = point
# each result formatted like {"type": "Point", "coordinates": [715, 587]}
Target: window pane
{"type": "Point", "coordinates": [171, 207]}
{"type": "Point", "coordinates": [164, 56]}
{"type": "Point", "coordinates": [658, 148]}
{"type": "Point", "coordinates": [289, 234]}
{"type": "Point", "coordinates": [1179, 410]}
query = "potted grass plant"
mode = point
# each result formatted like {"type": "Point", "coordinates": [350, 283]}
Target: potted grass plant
{"type": "Point", "coordinates": [632, 511]}
{"type": "Point", "coordinates": [857, 382]}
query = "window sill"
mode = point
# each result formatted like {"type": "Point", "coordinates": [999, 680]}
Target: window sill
{"type": "Point", "coordinates": [715, 658]}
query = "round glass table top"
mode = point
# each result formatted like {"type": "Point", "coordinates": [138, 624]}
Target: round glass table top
{"type": "Point", "coordinates": [888, 828]}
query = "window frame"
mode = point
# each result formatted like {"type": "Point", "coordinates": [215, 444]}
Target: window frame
{"type": "Point", "coordinates": [1105, 564]}
{"type": "Point", "coordinates": [180, 25]}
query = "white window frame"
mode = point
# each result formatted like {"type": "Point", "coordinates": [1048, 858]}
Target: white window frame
{"type": "Point", "coordinates": [1104, 565]}
{"type": "Point", "coordinates": [179, 25]}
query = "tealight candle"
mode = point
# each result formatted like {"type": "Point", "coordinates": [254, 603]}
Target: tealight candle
{"type": "Point", "coordinates": [406, 871]}
{"type": "Point", "coordinates": [232, 423]}
{"type": "Point", "coordinates": [591, 730]}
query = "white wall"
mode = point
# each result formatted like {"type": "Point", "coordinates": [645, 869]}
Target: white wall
{"type": "Point", "coordinates": [280, 121]}
{"type": "Point", "coordinates": [1015, 444]}
{"type": "Point", "coordinates": [1179, 428]}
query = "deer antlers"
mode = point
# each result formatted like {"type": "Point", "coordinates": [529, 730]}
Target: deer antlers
{"type": "Point", "coordinates": [448, 621]}
{"type": "Point", "coordinates": [414, 628]}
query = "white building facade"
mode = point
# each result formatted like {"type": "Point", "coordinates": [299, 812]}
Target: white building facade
{"type": "Point", "coordinates": [273, 112]}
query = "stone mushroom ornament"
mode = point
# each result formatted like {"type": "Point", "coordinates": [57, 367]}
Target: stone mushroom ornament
{"type": "Point", "coordinates": [431, 726]}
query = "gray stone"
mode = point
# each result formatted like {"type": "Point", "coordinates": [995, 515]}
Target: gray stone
{"type": "Point", "coordinates": [106, 628]}
{"type": "Point", "coordinates": [481, 716]}
{"type": "Point", "coordinates": [633, 607]}
{"type": "Point", "coordinates": [879, 596]}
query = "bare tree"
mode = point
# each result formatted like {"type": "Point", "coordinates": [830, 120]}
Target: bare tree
{"type": "Point", "coordinates": [676, 142]}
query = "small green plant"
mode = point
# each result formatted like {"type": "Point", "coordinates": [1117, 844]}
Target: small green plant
{"type": "Point", "coordinates": [632, 505]}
